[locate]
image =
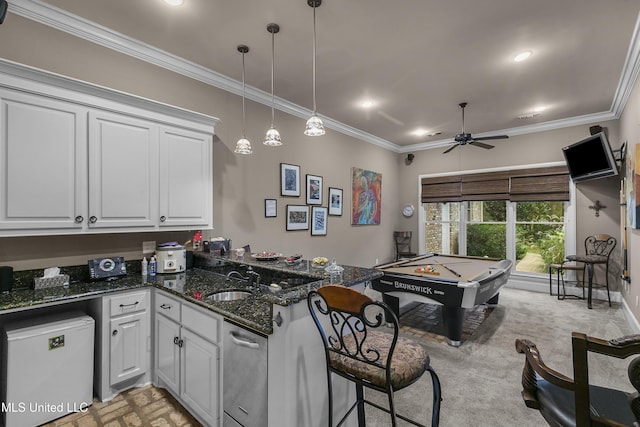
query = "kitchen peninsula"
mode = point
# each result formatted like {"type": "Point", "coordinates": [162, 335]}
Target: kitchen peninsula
{"type": "Point", "coordinates": [294, 373]}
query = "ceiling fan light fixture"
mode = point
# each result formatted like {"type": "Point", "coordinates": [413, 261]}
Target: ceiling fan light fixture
{"type": "Point", "coordinates": [243, 146]}
{"type": "Point", "coordinates": [314, 127]}
{"type": "Point", "coordinates": [272, 137]}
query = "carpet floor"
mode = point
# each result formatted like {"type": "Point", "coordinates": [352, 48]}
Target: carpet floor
{"type": "Point", "coordinates": [480, 379]}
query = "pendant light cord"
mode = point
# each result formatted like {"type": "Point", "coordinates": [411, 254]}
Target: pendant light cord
{"type": "Point", "coordinates": [273, 99]}
{"type": "Point", "coordinates": [243, 96]}
{"type": "Point", "coordinates": [314, 59]}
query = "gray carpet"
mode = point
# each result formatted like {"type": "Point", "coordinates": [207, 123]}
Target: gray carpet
{"type": "Point", "coordinates": [481, 379]}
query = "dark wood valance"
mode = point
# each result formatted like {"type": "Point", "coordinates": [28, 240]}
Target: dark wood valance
{"type": "Point", "coordinates": [532, 184]}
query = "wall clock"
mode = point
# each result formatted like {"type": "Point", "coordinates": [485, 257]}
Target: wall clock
{"type": "Point", "coordinates": [407, 210]}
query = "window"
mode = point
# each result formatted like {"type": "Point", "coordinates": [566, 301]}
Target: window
{"type": "Point", "coordinates": [531, 233]}
{"type": "Point", "coordinates": [513, 213]}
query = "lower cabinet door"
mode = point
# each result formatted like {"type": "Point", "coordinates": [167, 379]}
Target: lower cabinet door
{"type": "Point", "coordinates": [168, 352]}
{"type": "Point", "coordinates": [128, 347]}
{"type": "Point", "coordinates": [200, 376]}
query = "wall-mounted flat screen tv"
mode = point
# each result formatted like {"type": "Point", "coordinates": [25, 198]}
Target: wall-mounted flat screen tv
{"type": "Point", "coordinates": [591, 158]}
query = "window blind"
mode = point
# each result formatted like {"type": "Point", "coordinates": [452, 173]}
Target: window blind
{"type": "Point", "coordinates": [532, 184]}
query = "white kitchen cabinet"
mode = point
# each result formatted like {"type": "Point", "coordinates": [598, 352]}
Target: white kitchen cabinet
{"type": "Point", "coordinates": [43, 169]}
{"type": "Point", "coordinates": [123, 342]}
{"type": "Point", "coordinates": [128, 347]}
{"type": "Point", "coordinates": [77, 158]}
{"type": "Point", "coordinates": [187, 356]}
{"type": "Point", "coordinates": [123, 171]}
{"type": "Point", "coordinates": [185, 178]}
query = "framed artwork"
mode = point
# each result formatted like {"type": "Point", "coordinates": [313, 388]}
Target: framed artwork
{"type": "Point", "coordinates": [366, 197]}
{"type": "Point", "coordinates": [318, 221]}
{"type": "Point", "coordinates": [297, 217]}
{"type": "Point", "coordinates": [270, 208]}
{"type": "Point", "coordinates": [335, 201]}
{"type": "Point", "coordinates": [289, 180]}
{"type": "Point", "coordinates": [314, 190]}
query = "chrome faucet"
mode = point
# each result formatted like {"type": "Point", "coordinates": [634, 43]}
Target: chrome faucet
{"type": "Point", "coordinates": [253, 278]}
{"type": "Point", "coordinates": [237, 275]}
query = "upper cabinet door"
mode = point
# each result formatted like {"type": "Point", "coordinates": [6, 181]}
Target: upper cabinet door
{"type": "Point", "coordinates": [42, 163]}
{"type": "Point", "coordinates": [123, 171]}
{"type": "Point", "coordinates": [185, 178]}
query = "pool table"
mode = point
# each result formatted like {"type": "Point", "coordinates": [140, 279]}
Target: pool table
{"type": "Point", "coordinates": [455, 282]}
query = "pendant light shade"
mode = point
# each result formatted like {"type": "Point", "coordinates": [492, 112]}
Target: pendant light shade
{"type": "Point", "coordinates": [272, 138]}
{"type": "Point", "coordinates": [315, 127]}
{"type": "Point", "coordinates": [243, 146]}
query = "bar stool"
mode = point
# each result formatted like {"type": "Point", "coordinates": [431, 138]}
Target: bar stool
{"type": "Point", "coordinates": [598, 249]}
{"type": "Point", "coordinates": [560, 270]}
{"type": "Point", "coordinates": [360, 347]}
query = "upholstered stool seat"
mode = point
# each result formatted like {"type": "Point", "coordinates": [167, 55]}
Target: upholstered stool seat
{"type": "Point", "coordinates": [409, 362]}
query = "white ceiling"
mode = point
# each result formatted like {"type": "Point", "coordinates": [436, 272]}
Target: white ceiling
{"type": "Point", "coordinates": [417, 59]}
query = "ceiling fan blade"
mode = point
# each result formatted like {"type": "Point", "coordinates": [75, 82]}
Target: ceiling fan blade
{"type": "Point", "coordinates": [486, 138]}
{"type": "Point", "coordinates": [450, 148]}
{"type": "Point", "coordinates": [481, 144]}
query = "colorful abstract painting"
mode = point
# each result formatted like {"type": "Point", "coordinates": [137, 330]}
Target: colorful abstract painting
{"type": "Point", "coordinates": [366, 197]}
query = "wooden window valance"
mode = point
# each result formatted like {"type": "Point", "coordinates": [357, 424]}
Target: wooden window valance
{"type": "Point", "coordinates": [534, 184]}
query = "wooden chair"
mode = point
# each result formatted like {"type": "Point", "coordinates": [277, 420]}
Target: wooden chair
{"type": "Point", "coordinates": [563, 401]}
{"type": "Point", "coordinates": [598, 249]}
{"type": "Point", "coordinates": [360, 347]}
{"type": "Point", "coordinates": [402, 241]}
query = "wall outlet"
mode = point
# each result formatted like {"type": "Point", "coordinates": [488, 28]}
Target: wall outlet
{"type": "Point", "coordinates": [377, 262]}
{"type": "Point", "coordinates": [636, 300]}
{"type": "Point", "coordinates": [148, 248]}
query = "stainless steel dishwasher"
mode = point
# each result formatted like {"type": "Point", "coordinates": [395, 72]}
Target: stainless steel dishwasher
{"type": "Point", "coordinates": [244, 396]}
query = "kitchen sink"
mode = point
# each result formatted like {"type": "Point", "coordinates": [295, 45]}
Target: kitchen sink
{"type": "Point", "coordinates": [231, 295]}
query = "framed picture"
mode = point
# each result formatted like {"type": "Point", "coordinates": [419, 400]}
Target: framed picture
{"type": "Point", "coordinates": [314, 190]}
{"type": "Point", "coordinates": [270, 208]}
{"type": "Point", "coordinates": [318, 221]}
{"type": "Point", "coordinates": [289, 180]}
{"type": "Point", "coordinates": [297, 217]}
{"type": "Point", "coordinates": [335, 201]}
{"type": "Point", "coordinates": [366, 196]}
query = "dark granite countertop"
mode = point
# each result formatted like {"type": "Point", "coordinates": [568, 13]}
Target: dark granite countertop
{"type": "Point", "coordinates": [254, 312]}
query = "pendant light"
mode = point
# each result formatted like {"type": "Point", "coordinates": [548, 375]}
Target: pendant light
{"type": "Point", "coordinates": [243, 146]}
{"type": "Point", "coordinates": [315, 127]}
{"type": "Point", "coordinates": [272, 138]}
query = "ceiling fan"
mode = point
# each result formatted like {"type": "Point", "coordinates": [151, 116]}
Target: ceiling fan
{"type": "Point", "coordinates": [466, 138]}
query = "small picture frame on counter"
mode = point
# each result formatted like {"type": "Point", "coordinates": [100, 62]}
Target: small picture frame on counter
{"type": "Point", "coordinates": [270, 208]}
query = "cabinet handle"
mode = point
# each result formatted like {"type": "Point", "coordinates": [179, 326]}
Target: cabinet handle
{"type": "Point", "coordinates": [180, 343]}
{"type": "Point", "coordinates": [115, 332]}
{"type": "Point", "coordinates": [93, 219]}
{"type": "Point", "coordinates": [79, 219]}
{"type": "Point", "coordinates": [163, 218]}
{"type": "Point", "coordinates": [165, 306]}
{"type": "Point", "coordinates": [128, 305]}
{"type": "Point", "coordinates": [175, 340]}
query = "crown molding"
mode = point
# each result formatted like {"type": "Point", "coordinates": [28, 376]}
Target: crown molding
{"type": "Point", "coordinates": [59, 19]}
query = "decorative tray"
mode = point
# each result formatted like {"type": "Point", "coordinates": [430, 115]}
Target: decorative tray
{"type": "Point", "coordinates": [266, 256]}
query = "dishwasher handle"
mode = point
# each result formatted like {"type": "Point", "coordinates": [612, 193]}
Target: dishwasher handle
{"type": "Point", "coordinates": [236, 340]}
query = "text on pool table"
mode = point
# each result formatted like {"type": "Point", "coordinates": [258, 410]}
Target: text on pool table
{"type": "Point", "coordinates": [427, 290]}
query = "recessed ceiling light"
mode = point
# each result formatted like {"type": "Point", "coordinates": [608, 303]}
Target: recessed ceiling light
{"type": "Point", "coordinates": [368, 103]}
{"type": "Point", "coordinates": [522, 56]}
{"type": "Point", "coordinates": [174, 2]}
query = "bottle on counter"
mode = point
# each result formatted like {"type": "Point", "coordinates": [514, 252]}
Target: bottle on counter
{"type": "Point", "coordinates": [152, 266]}
{"type": "Point", "coordinates": [145, 266]}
